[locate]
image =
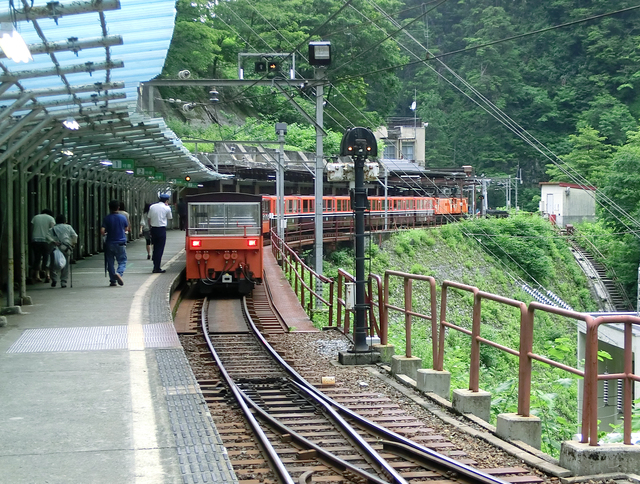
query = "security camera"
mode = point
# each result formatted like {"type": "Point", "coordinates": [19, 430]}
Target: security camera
{"type": "Point", "coordinates": [185, 74]}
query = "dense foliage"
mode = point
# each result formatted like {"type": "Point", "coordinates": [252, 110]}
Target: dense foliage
{"type": "Point", "coordinates": [550, 83]}
{"type": "Point", "coordinates": [574, 88]}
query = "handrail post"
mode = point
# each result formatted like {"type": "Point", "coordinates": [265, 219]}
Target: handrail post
{"type": "Point", "coordinates": [434, 320]}
{"type": "Point", "coordinates": [525, 366]}
{"type": "Point", "coordinates": [474, 371]}
{"type": "Point", "coordinates": [300, 266]}
{"type": "Point", "coordinates": [590, 391]}
{"type": "Point", "coordinates": [385, 312]}
{"type": "Point", "coordinates": [441, 331]}
{"type": "Point", "coordinates": [311, 305]}
{"type": "Point", "coordinates": [339, 323]}
{"type": "Point", "coordinates": [407, 315]}
{"type": "Point", "coordinates": [628, 370]}
{"type": "Point", "coordinates": [331, 303]}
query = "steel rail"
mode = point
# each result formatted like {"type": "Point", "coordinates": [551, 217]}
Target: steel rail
{"type": "Point", "coordinates": [359, 443]}
{"type": "Point", "coordinates": [275, 461]}
{"type": "Point", "coordinates": [322, 454]}
{"type": "Point", "coordinates": [434, 459]}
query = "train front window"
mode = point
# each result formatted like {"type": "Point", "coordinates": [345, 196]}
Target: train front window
{"type": "Point", "coordinates": [219, 219]}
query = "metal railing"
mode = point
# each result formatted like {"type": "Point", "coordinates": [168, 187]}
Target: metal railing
{"type": "Point", "coordinates": [296, 270]}
{"type": "Point", "coordinates": [407, 310]}
{"type": "Point", "coordinates": [378, 297]}
{"type": "Point", "coordinates": [526, 356]}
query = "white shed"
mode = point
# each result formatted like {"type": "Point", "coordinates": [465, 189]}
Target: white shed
{"type": "Point", "coordinates": [568, 203]}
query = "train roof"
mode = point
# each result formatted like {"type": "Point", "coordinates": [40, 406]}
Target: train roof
{"type": "Point", "coordinates": [223, 197]}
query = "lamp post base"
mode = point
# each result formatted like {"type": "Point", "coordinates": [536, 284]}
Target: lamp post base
{"type": "Point", "coordinates": [353, 357]}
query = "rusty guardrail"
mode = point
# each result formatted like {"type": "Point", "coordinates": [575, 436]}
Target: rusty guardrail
{"type": "Point", "coordinates": [295, 268]}
{"type": "Point", "coordinates": [407, 310]}
{"type": "Point", "coordinates": [526, 355]}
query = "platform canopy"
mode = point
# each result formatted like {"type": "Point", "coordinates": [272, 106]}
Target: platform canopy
{"type": "Point", "coordinates": [76, 102]}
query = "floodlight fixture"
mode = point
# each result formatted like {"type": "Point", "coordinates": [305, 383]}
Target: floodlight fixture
{"type": "Point", "coordinates": [71, 123]}
{"type": "Point", "coordinates": [106, 162]}
{"type": "Point", "coordinates": [12, 44]}
{"type": "Point", "coordinates": [320, 53]}
{"type": "Point", "coordinates": [67, 152]}
{"type": "Point", "coordinates": [129, 172]}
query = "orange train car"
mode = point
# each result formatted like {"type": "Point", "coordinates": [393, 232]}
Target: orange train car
{"type": "Point", "coordinates": [296, 205]}
{"type": "Point", "coordinates": [224, 241]}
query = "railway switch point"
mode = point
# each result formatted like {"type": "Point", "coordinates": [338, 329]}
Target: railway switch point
{"type": "Point", "coordinates": [511, 426]}
{"type": "Point", "coordinates": [476, 403]}
{"type": "Point", "coordinates": [433, 381]}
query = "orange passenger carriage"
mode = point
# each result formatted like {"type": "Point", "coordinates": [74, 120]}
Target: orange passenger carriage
{"type": "Point", "coordinates": [224, 241]}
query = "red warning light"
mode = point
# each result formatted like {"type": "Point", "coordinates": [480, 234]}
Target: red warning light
{"type": "Point", "coordinates": [252, 243]}
{"type": "Point", "coordinates": [196, 243]}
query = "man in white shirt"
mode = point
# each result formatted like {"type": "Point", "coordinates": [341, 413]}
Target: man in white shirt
{"type": "Point", "coordinates": [158, 215]}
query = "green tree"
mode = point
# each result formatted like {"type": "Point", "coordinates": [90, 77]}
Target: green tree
{"type": "Point", "coordinates": [589, 159]}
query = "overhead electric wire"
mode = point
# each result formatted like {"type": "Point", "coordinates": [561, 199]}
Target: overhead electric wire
{"type": "Point", "coordinates": [388, 36]}
{"type": "Point", "coordinates": [476, 47]}
{"type": "Point", "coordinates": [499, 115]}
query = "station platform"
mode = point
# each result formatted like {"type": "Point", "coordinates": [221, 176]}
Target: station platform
{"type": "Point", "coordinates": [284, 298]}
{"type": "Point", "coordinates": [96, 387]}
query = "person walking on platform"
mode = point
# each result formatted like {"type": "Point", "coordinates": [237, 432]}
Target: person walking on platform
{"type": "Point", "coordinates": [115, 227]}
{"type": "Point", "coordinates": [144, 228]}
{"type": "Point", "coordinates": [65, 238]}
{"type": "Point", "coordinates": [159, 214]}
{"type": "Point", "coordinates": [40, 244]}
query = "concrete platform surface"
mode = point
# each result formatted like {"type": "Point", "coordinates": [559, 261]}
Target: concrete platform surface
{"type": "Point", "coordinates": [284, 299]}
{"type": "Point", "coordinates": [96, 387]}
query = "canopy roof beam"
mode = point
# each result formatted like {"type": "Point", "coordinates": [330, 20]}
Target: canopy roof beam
{"type": "Point", "coordinates": [56, 10]}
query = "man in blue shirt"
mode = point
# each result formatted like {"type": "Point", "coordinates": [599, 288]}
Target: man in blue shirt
{"type": "Point", "coordinates": [115, 227]}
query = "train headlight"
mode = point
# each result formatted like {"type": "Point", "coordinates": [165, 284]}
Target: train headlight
{"type": "Point", "coordinates": [252, 243]}
{"type": "Point", "coordinates": [196, 243]}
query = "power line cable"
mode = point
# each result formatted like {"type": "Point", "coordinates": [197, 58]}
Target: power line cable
{"type": "Point", "coordinates": [499, 115]}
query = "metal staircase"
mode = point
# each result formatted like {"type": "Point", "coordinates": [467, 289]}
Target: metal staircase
{"type": "Point", "coordinates": [611, 295]}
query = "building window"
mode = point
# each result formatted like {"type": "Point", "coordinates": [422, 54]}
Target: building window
{"type": "Point", "coordinates": [407, 150]}
{"type": "Point", "coordinates": [389, 151]}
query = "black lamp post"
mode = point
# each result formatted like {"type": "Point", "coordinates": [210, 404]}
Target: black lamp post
{"type": "Point", "coordinates": [359, 143]}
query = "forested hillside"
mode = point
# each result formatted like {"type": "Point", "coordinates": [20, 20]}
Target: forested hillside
{"type": "Point", "coordinates": [550, 83]}
{"type": "Point", "coordinates": [566, 71]}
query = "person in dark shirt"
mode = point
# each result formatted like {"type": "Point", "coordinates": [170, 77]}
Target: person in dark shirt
{"type": "Point", "coordinates": [114, 229]}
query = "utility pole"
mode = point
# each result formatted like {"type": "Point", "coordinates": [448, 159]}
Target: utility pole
{"type": "Point", "coordinates": [319, 74]}
{"type": "Point", "coordinates": [281, 130]}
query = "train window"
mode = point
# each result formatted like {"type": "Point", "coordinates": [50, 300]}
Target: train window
{"type": "Point", "coordinates": [306, 206]}
{"type": "Point", "coordinates": [220, 219]}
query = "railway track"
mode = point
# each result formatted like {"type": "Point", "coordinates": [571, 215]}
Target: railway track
{"type": "Point", "coordinates": [279, 428]}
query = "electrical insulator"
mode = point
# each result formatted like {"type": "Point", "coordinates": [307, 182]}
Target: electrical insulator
{"type": "Point", "coordinates": [213, 96]}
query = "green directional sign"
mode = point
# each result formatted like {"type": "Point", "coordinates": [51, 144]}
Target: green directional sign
{"type": "Point", "coordinates": [145, 171]}
{"type": "Point", "coordinates": [157, 176]}
{"type": "Point", "coordinates": [123, 164]}
{"type": "Point", "coordinates": [177, 182]}
{"type": "Point", "coordinates": [192, 185]}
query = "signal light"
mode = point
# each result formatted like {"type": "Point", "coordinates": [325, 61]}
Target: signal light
{"type": "Point", "coordinates": [187, 178]}
{"type": "Point", "coordinates": [273, 67]}
{"type": "Point", "coordinates": [252, 243]}
{"type": "Point", "coordinates": [196, 243]}
{"type": "Point", "coordinates": [261, 67]}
